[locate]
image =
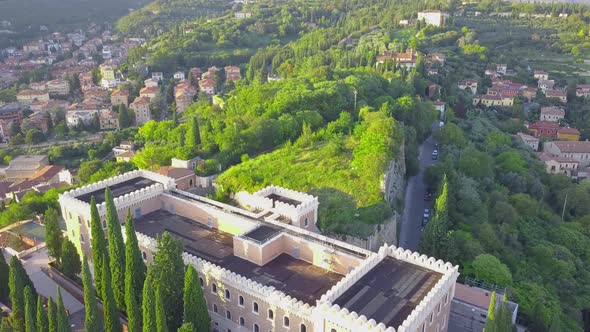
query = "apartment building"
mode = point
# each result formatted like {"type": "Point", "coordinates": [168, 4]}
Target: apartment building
{"type": "Point", "coordinates": [578, 151]}
{"type": "Point", "coordinates": [263, 266]}
{"type": "Point", "coordinates": [141, 107]}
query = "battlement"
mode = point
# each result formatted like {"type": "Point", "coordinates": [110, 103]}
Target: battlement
{"type": "Point", "coordinates": [287, 203]}
{"type": "Point", "coordinates": [246, 285]}
{"type": "Point", "coordinates": [148, 185]}
{"type": "Point", "coordinates": [426, 306]}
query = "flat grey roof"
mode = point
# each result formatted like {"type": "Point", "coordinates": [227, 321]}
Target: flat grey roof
{"type": "Point", "coordinates": [261, 234]}
{"type": "Point", "coordinates": [280, 198]}
{"type": "Point", "coordinates": [118, 189]}
{"type": "Point", "coordinates": [389, 292]}
{"type": "Point", "coordinates": [294, 277]}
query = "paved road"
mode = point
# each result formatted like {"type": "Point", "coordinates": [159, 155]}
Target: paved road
{"type": "Point", "coordinates": [44, 285]}
{"type": "Point", "coordinates": [414, 201]}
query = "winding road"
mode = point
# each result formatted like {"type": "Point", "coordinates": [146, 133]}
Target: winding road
{"type": "Point", "coordinates": [414, 205]}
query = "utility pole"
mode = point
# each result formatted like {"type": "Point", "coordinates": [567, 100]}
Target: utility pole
{"type": "Point", "coordinates": [355, 93]}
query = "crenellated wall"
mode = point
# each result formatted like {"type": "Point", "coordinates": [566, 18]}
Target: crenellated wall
{"type": "Point", "coordinates": [438, 297]}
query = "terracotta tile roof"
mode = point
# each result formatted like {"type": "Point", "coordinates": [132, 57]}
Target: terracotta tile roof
{"type": "Point", "coordinates": [472, 295]}
{"type": "Point", "coordinates": [47, 173]}
{"type": "Point", "coordinates": [568, 131]}
{"type": "Point", "coordinates": [552, 111]}
{"type": "Point", "coordinates": [141, 101]}
{"type": "Point", "coordinates": [120, 92]}
{"type": "Point", "coordinates": [573, 147]}
{"type": "Point", "coordinates": [175, 173]}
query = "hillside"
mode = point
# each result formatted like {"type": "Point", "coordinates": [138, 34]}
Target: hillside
{"type": "Point", "coordinates": [345, 172]}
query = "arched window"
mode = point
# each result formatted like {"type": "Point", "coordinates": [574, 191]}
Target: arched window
{"type": "Point", "coordinates": [214, 288]}
{"type": "Point", "coordinates": [333, 330]}
{"type": "Point", "coordinates": [241, 300]}
{"type": "Point", "coordinates": [228, 314]}
{"type": "Point", "coordinates": [271, 314]}
{"type": "Point", "coordinates": [227, 294]}
{"type": "Point", "coordinates": [302, 328]}
{"type": "Point", "coordinates": [200, 280]}
{"type": "Point", "coordinates": [215, 308]}
{"type": "Point", "coordinates": [254, 307]}
{"type": "Point", "coordinates": [256, 328]}
{"type": "Point", "coordinates": [286, 321]}
{"type": "Point", "coordinates": [242, 321]}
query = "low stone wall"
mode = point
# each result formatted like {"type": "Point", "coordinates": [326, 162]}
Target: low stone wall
{"type": "Point", "coordinates": [382, 234]}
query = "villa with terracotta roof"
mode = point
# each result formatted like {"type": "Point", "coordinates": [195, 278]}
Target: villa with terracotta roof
{"type": "Point", "coordinates": [559, 94]}
{"type": "Point", "coordinates": [26, 97]}
{"type": "Point", "coordinates": [568, 134]}
{"type": "Point", "coordinates": [407, 59]}
{"type": "Point", "coordinates": [552, 113]}
{"type": "Point", "coordinates": [120, 97]}
{"type": "Point", "coordinates": [544, 129]}
{"type": "Point", "coordinates": [141, 107]}
{"type": "Point", "coordinates": [579, 151]}
{"type": "Point", "coordinates": [208, 86]}
{"type": "Point", "coordinates": [471, 84]}
{"type": "Point", "coordinates": [150, 92]}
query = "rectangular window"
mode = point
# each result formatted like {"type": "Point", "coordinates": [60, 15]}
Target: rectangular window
{"type": "Point", "coordinates": [81, 238]}
{"type": "Point", "coordinates": [144, 255]}
{"type": "Point", "coordinates": [228, 314]}
{"type": "Point", "coordinates": [79, 220]}
{"type": "Point", "coordinates": [214, 288]}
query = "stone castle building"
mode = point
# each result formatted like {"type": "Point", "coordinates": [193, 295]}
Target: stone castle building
{"type": "Point", "coordinates": [265, 267]}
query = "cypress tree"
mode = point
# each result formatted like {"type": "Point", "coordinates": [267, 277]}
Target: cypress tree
{"type": "Point", "coordinates": [111, 316]}
{"type": "Point", "coordinates": [41, 316]}
{"type": "Point", "coordinates": [135, 269]}
{"type": "Point", "coordinates": [148, 305]}
{"type": "Point", "coordinates": [161, 324]}
{"type": "Point", "coordinates": [53, 234]}
{"type": "Point", "coordinates": [135, 276]}
{"type": "Point", "coordinates": [30, 315]}
{"type": "Point", "coordinates": [503, 320]}
{"type": "Point", "coordinates": [555, 324]}
{"type": "Point", "coordinates": [124, 120]}
{"type": "Point", "coordinates": [195, 308]}
{"type": "Point", "coordinates": [187, 327]}
{"type": "Point", "coordinates": [70, 259]}
{"type": "Point", "coordinates": [490, 321]}
{"type": "Point", "coordinates": [4, 290]}
{"type": "Point", "coordinates": [99, 247]}
{"type": "Point", "coordinates": [17, 285]}
{"type": "Point", "coordinates": [51, 316]}
{"type": "Point", "coordinates": [116, 250]}
{"type": "Point", "coordinates": [63, 322]}
{"type": "Point", "coordinates": [193, 137]}
{"type": "Point", "coordinates": [91, 322]}
{"type": "Point", "coordinates": [168, 275]}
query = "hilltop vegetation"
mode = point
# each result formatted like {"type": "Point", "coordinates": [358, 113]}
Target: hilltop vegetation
{"type": "Point", "coordinates": [27, 16]}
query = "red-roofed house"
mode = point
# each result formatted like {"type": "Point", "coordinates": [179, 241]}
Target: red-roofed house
{"type": "Point", "coordinates": [150, 92]}
{"type": "Point", "coordinates": [208, 86]}
{"type": "Point", "coordinates": [141, 107]}
{"type": "Point", "coordinates": [544, 129]}
{"type": "Point", "coordinates": [559, 94]}
{"type": "Point", "coordinates": [568, 134]}
{"type": "Point", "coordinates": [120, 97]}
{"type": "Point", "coordinates": [185, 178]}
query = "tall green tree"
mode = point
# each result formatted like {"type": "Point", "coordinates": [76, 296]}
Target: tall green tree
{"type": "Point", "coordinates": [53, 234]}
{"type": "Point", "coordinates": [503, 320]}
{"type": "Point", "coordinates": [99, 246]}
{"type": "Point", "coordinates": [135, 276]}
{"type": "Point", "coordinates": [70, 259]}
{"type": "Point", "coordinates": [195, 308]}
{"type": "Point", "coordinates": [168, 272]}
{"type": "Point", "coordinates": [490, 321]}
{"type": "Point", "coordinates": [30, 315]}
{"type": "Point", "coordinates": [161, 324]}
{"type": "Point", "coordinates": [42, 324]}
{"type": "Point", "coordinates": [111, 316]}
{"type": "Point", "coordinates": [124, 119]}
{"type": "Point", "coordinates": [4, 276]}
{"type": "Point", "coordinates": [435, 240]}
{"type": "Point", "coordinates": [92, 321]}
{"type": "Point", "coordinates": [18, 280]}
{"type": "Point", "coordinates": [148, 305]}
{"type": "Point", "coordinates": [63, 322]}
{"type": "Point", "coordinates": [193, 137]}
{"type": "Point", "coordinates": [51, 316]}
{"type": "Point", "coordinates": [135, 269]}
{"type": "Point", "coordinates": [116, 250]}
{"type": "Point", "coordinates": [187, 327]}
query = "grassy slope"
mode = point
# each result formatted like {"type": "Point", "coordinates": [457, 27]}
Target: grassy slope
{"type": "Point", "coordinates": [323, 170]}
